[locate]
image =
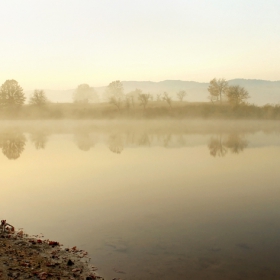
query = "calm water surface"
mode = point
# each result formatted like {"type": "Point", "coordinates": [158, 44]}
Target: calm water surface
{"type": "Point", "coordinates": [187, 200]}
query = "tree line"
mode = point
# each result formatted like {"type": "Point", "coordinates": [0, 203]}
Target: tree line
{"type": "Point", "coordinates": [226, 101]}
{"type": "Point", "coordinates": [11, 94]}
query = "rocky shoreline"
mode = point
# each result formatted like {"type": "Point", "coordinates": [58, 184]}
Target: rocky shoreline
{"type": "Point", "coordinates": [32, 257]}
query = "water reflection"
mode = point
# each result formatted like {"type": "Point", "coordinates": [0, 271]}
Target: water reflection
{"type": "Point", "coordinates": [155, 216]}
{"type": "Point", "coordinates": [224, 140]}
{"type": "Point", "coordinates": [115, 143]}
{"type": "Point", "coordinates": [39, 139]}
{"type": "Point", "coordinates": [234, 142]}
{"type": "Point", "coordinates": [12, 144]}
{"type": "Point", "coordinates": [84, 141]}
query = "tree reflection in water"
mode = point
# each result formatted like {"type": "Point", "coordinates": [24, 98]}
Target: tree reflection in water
{"type": "Point", "coordinates": [39, 139]}
{"type": "Point", "coordinates": [116, 143]}
{"type": "Point", "coordinates": [12, 144]}
{"type": "Point", "coordinates": [234, 142]}
{"type": "Point", "coordinates": [84, 141]}
{"type": "Point", "coordinates": [144, 140]}
{"type": "Point", "coordinates": [217, 147]}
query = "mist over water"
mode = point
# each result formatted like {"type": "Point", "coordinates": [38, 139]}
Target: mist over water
{"type": "Point", "coordinates": [149, 200]}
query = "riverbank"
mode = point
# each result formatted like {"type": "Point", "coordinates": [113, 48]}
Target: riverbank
{"type": "Point", "coordinates": [32, 257]}
{"type": "Point", "coordinates": [155, 110]}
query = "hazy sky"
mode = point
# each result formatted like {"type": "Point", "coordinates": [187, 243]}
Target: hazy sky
{"type": "Point", "coordinates": [58, 44]}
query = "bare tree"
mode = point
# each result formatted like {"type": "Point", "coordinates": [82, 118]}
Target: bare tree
{"type": "Point", "coordinates": [237, 95]}
{"type": "Point", "coordinates": [38, 98]}
{"type": "Point", "coordinates": [144, 99]}
{"type": "Point", "coordinates": [116, 101]}
{"type": "Point", "coordinates": [181, 95]}
{"type": "Point", "coordinates": [128, 101]}
{"type": "Point", "coordinates": [133, 96]}
{"type": "Point", "coordinates": [159, 97]}
{"type": "Point", "coordinates": [217, 88]}
{"type": "Point", "coordinates": [167, 98]}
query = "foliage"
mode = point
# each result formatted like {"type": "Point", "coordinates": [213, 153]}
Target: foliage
{"type": "Point", "coordinates": [181, 95]}
{"type": "Point", "coordinates": [12, 144]}
{"type": "Point", "coordinates": [11, 94]}
{"type": "Point", "coordinates": [235, 143]}
{"type": "Point", "coordinates": [133, 95]}
{"type": "Point", "coordinates": [38, 98]}
{"type": "Point", "coordinates": [159, 97]}
{"type": "Point", "coordinates": [117, 101]}
{"type": "Point", "coordinates": [217, 88]}
{"type": "Point", "coordinates": [144, 99]}
{"type": "Point", "coordinates": [85, 94]}
{"type": "Point", "coordinates": [115, 89]}
{"type": "Point", "coordinates": [237, 95]}
{"type": "Point", "coordinates": [167, 98]}
{"type": "Point", "coordinates": [115, 93]}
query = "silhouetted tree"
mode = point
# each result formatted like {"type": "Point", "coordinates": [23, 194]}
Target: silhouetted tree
{"type": "Point", "coordinates": [38, 98]}
{"type": "Point", "coordinates": [128, 102]}
{"type": "Point", "coordinates": [217, 88]}
{"type": "Point", "coordinates": [85, 94]}
{"type": "Point", "coordinates": [115, 89]}
{"type": "Point", "coordinates": [133, 95]}
{"type": "Point", "coordinates": [115, 93]}
{"type": "Point", "coordinates": [181, 95]}
{"type": "Point", "coordinates": [237, 95]}
{"type": "Point", "coordinates": [159, 97]}
{"type": "Point", "coordinates": [11, 94]}
{"type": "Point", "coordinates": [167, 98]}
{"type": "Point", "coordinates": [144, 99]}
{"type": "Point", "coordinates": [12, 144]}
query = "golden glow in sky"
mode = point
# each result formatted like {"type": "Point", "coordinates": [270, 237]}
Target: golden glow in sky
{"type": "Point", "coordinates": [59, 44]}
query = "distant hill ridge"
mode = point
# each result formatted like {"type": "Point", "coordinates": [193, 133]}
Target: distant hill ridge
{"type": "Point", "coordinates": [261, 91]}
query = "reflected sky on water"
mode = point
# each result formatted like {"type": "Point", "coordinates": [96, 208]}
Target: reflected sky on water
{"type": "Point", "coordinates": [155, 201]}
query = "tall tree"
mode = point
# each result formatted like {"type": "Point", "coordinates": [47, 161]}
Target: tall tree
{"type": "Point", "coordinates": [115, 94]}
{"type": "Point", "coordinates": [11, 94]}
{"type": "Point", "coordinates": [38, 98]}
{"type": "Point", "coordinates": [217, 88]}
{"type": "Point", "coordinates": [237, 95]}
{"type": "Point", "coordinates": [85, 94]}
{"type": "Point", "coordinates": [144, 99]}
{"type": "Point", "coordinates": [167, 98]}
{"type": "Point", "coordinates": [115, 88]}
{"type": "Point", "coordinates": [181, 95]}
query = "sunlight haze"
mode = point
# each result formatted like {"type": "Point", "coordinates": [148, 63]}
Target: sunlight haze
{"type": "Point", "coordinates": [60, 44]}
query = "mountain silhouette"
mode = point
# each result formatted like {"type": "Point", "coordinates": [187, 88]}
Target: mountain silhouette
{"type": "Point", "coordinates": [261, 91]}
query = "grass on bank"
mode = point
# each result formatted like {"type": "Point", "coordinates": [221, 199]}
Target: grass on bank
{"type": "Point", "coordinates": [154, 110]}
